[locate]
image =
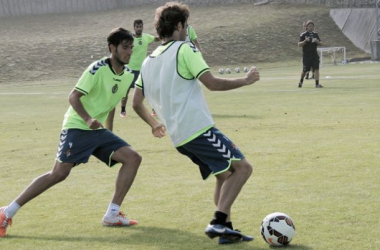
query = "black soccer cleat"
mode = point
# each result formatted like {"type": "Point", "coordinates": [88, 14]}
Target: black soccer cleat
{"type": "Point", "coordinates": [224, 232]}
{"type": "Point", "coordinates": [243, 238]}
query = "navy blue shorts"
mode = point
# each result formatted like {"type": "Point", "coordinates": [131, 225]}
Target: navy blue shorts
{"type": "Point", "coordinates": [77, 145]}
{"type": "Point", "coordinates": [136, 74]}
{"type": "Point", "coordinates": [212, 152]}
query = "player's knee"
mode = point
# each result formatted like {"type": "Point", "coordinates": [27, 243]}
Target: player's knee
{"type": "Point", "coordinates": [244, 168]}
{"type": "Point", "coordinates": [248, 169]}
{"type": "Point", "coordinates": [133, 158]}
{"type": "Point", "coordinates": [137, 159]}
{"type": "Point", "coordinates": [58, 176]}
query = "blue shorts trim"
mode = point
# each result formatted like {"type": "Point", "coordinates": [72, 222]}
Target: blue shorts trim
{"type": "Point", "coordinates": [212, 151]}
{"type": "Point", "coordinates": [77, 145]}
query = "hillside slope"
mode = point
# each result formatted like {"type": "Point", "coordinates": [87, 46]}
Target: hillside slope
{"type": "Point", "coordinates": [44, 46]}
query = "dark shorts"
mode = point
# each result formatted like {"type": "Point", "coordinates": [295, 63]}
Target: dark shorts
{"type": "Point", "coordinates": [77, 145]}
{"type": "Point", "coordinates": [136, 74]}
{"type": "Point", "coordinates": [212, 152]}
{"type": "Point", "coordinates": [310, 62]}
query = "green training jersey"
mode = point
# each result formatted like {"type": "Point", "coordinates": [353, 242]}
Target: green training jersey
{"type": "Point", "coordinates": [190, 34]}
{"type": "Point", "coordinates": [102, 89]}
{"type": "Point", "coordinates": [140, 49]}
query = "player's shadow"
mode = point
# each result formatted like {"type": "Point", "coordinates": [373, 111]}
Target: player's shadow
{"type": "Point", "coordinates": [159, 238]}
{"type": "Point", "coordinates": [239, 116]}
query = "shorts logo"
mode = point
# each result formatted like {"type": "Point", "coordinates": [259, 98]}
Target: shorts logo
{"type": "Point", "coordinates": [217, 144]}
{"type": "Point", "coordinates": [68, 151]}
{"type": "Point", "coordinates": [115, 88]}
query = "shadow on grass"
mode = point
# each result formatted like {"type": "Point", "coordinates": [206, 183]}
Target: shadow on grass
{"type": "Point", "coordinates": [146, 237]}
{"type": "Point", "coordinates": [239, 116]}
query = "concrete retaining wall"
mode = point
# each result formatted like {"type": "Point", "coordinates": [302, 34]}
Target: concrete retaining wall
{"type": "Point", "coordinates": [359, 25]}
{"type": "Point", "coordinates": [32, 7]}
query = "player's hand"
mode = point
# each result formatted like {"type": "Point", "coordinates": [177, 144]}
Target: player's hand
{"type": "Point", "coordinates": [159, 130]}
{"type": "Point", "coordinates": [252, 75]}
{"type": "Point", "coordinates": [307, 39]}
{"type": "Point", "coordinates": [94, 124]}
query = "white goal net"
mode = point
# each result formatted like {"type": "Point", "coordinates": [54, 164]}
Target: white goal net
{"type": "Point", "coordinates": [332, 55]}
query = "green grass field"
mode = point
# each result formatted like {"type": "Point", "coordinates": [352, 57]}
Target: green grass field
{"type": "Point", "coordinates": [315, 153]}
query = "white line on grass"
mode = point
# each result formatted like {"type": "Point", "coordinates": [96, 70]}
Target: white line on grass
{"type": "Point", "coordinates": [36, 93]}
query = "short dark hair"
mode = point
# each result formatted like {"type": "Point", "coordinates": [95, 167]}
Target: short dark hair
{"type": "Point", "coordinates": [168, 16]}
{"type": "Point", "coordinates": [137, 21]}
{"type": "Point", "coordinates": [117, 36]}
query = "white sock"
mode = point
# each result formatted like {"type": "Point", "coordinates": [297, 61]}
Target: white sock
{"type": "Point", "coordinates": [113, 210]}
{"type": "Point", "coordinates": [12, 209]}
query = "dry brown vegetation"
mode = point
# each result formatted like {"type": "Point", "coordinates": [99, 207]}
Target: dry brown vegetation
{"type": "Point", "coordinates": [62, 45]}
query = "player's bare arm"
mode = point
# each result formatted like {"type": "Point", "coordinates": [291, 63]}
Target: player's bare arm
{"type": "Point", "coordinates": [158, 129]}
{"type": "Point", "coordinates": [74, 99]}
{"type": "Point", "coordinates": [221, 84]}
{"type": "Point", "coordinates": [197, 45]}
{"type": "Point", "coordinates": [307, 39]}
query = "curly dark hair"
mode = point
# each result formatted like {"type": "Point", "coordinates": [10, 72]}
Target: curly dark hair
{"type": "Point", "coordinates": [168, 16]}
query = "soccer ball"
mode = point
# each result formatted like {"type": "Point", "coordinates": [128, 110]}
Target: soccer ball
{"type": "Point", "coordinates": [277, 229]}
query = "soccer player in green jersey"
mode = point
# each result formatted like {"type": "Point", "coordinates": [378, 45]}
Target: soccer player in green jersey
{"type": "Point", "coordinates": [140, 50]}
{"type": "Point", "coordinates": [191, 36]}
{"type": "Point", "coordinates": [171, 80]}
{"type": "Point", "coordinates": [92, 104]}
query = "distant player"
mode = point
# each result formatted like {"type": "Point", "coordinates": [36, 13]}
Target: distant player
{"type": "Point", "coordinates": [92, 104]}
{"type": "Point", "coordinates": [191, 36]}
{"type": "Point", "coordinates": [171, 80]}
{"type": "Point", "coordinates": [309, 41]}
{"type": "Point", "coordinates": [140, 50]}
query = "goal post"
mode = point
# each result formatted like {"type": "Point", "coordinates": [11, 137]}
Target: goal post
{"type": "Point", "coordinates": [337, 55]}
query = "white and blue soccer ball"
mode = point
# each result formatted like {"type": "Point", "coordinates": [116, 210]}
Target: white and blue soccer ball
{"type": "Point", "coordinates": [228, 71]}
{"type": "Point", "coordinates": [237, 70]}
{"type": "Point", "coordinates": [221, 71]}
{"type": "Point", "coordinates": [277, 229]}
{"type": "Point", "coordinates": [246, 69]}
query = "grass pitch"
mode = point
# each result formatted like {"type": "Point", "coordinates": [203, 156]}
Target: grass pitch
{"type": "Point", "coordinates": [315, 153]}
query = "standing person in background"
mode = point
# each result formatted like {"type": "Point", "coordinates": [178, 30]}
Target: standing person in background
{"type": "Point", "coordinates": [92, 104]}
{"type": "Point", "coordinates": [191, 36]}
{"type": "Point", "coordinates": [140, 50]}
{"type": "Point", "coordinates": [309, 41]}
{"type": "Point", "coordinates": [171, 80]}
{"type": "Point", "coordinates": [307, 73]}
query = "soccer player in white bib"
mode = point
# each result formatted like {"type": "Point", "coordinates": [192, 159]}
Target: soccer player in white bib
{"type": "Point", "coordinates": [92, 106]}
{"type": "Point", "coordinates": [171, 80]}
